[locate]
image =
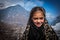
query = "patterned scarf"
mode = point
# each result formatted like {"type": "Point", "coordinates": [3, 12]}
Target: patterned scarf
{"type": "Point", "coordinates": [48, 31]}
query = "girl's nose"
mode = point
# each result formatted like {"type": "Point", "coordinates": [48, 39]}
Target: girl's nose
{"type": "Point", "coordinates": [38, 20]}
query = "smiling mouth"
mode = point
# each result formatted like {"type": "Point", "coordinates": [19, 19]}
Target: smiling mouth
{"type": "Point", "coordinates": [38, 23]}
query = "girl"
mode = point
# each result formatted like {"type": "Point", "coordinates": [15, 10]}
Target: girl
{"type": "Point", "coordinates": [37, 26]}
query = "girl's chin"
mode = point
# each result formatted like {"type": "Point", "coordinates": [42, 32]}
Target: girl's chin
{"type": "Point", "coordinates": [38, 25]}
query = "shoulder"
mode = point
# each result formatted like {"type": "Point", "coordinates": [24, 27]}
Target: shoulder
{"type": "Point", "coordinates": [48, 27]}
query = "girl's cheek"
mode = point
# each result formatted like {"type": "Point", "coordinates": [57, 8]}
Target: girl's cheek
{"type": "Point", "coordinates": [34, 21]}
{"type": "Point", "coordinates": [42, 21]}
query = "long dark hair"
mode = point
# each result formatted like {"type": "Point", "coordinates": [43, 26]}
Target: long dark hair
{"type": "Point", "coordinates": [47, 28]}
{"type": "Point", "coordinates": [34, 10]}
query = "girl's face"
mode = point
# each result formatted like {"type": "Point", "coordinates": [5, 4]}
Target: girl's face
{"type": "Point", "coordinates": [38, 18]}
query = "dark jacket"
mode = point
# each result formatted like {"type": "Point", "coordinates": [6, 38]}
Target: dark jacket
{"type": "Point", "coordinates": [36, 33]}
{"type": "Point", "coordinates": [48, 32]}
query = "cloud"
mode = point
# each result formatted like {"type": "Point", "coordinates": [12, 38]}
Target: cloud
{"type": "Point", "coordinates": [8, 3]}
{"type": "Point", "coordinates": [50, 17]}
{"type": "Point", "coordinates": [39, 3]}
{"type": "Point", "coordinates": [56, 27]}
{"type": "Point", "coordinates": [28, 5]}
{"type": "Point", "coordinates": [4, 6]}
{"type": "Point", "coordinates": [56, 20]}
{"type": "Point", "coordinates": [11, 1]}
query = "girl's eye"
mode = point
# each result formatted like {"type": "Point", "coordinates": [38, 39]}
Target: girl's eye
{"type": "Point", "coordinates": [41, 18]}
{"type": "Point", "coordinates": [35, 18]}
{"type": "Point", "coordinates": [38, 18]}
